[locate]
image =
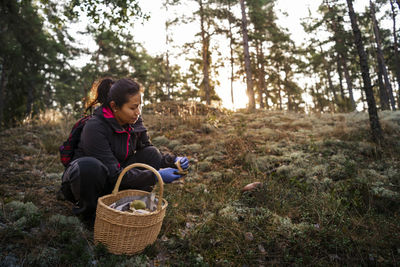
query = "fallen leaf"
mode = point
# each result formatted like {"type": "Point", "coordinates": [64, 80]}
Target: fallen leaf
{"type": "Point", "coordinates": [251, 187]}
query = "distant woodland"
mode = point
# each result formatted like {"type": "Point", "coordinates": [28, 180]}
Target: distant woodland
{"type": "Point", "coordinates": [358, 54]}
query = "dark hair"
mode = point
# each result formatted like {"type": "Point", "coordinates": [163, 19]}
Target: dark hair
{"type": "Point", "coordinates": [107, 90]}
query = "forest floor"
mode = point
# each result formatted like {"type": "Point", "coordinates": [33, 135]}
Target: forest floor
{"type": "Point", "coordinates": [328, 195]}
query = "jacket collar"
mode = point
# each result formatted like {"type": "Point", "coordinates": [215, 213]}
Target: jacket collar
{"type": "Point", "coordinates": [106, 114]}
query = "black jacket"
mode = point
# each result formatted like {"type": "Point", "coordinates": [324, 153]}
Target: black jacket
{"type": "Point", "coordinates": [104, 139]}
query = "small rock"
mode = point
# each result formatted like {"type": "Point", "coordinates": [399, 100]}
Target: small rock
{"type": "Point", "coordinates": [251, 187]}
{"type": "Point", "coordinates": [334, 257]}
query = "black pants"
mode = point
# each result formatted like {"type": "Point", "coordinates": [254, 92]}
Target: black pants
{"type": "Point", "coordinates": [86, 179]}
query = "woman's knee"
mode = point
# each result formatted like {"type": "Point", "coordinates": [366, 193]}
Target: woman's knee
{"type": "Point", "coordinates": [90, 165]}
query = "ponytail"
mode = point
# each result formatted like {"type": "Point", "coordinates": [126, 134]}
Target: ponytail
{"type": "Point", "coordinates": [100, 90]}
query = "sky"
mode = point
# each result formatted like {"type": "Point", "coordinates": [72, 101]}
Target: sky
{"type": "Point", "coordinates": [152, 35]}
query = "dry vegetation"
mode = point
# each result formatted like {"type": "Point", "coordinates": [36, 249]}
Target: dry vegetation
{"type": "Point", "coordinates": [328, 197]}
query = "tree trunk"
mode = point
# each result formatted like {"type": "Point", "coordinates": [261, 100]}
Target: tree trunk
{"type": "Point", "coordinates": [263, 83]}
{"type": "Point", "coordinates": [231, 50]}
{"type": "Point", "coordinates": [344, 105]}
{"type": "Point", "coordinates": [250, 90]}
{"type": "Point", "coordinates": [167, 71]}
{"type": "Point", "coordinates": [329, 77]}
{"type": "Point", "coordinates": [3, 84]}
{"type": "Point", "coordinates": [206, 63]}
{"type": "Point", "coordinates": [168, 75]}
{"type": "Point", "coordinates": [288, 93]}
{"type": "Point", "coordinates": [381, 60]}
{"type": "Point", "coordinates": [318, 99]}
{"type": "Point", "coordinates": [29, 101]}
{"type": "Point", "coordinates": [398, 3]}
{"type": "Point", "coordinates": [396, 51]}
{"type": "Point", "coordinates": [340, 72]}
{"type": "Point", "coordinates": [349, 84]}
{"type": "Point", "coordinates": [383, 97]}
{"type": "Point", "coordinates": [280, 94]}
{"type": "Point", "coordinates": [261, 79]}
{"type": "Point", "coordinates": [372, 111]}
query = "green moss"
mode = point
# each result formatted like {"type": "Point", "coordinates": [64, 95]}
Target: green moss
{"type": "Point", "coordinates": [204, 166]}
{"type": "Point", "coordinates": [160, 141]}
{"type": "Point", "coordinates": [22, 215]}
{"type": "Point", "coordinates": [173, 144]}
{"type": "Point", "coordinates": [207, 128]}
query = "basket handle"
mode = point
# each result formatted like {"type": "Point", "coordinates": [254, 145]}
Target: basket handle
{"type": "Point", "coordinates": [127, 168]}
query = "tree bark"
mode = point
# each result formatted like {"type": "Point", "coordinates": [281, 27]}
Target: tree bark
{"type": "Point", "coordinates": [206, 63]}
{"type": "Point", "coordinates": [261, 78]}
{"type": "Point", "coordinates": [372, 111]}
{"type": "Point", "coordinates": [349, 84]}
{"type": "Point", "coordinates": [383, 97]}
{"type": "Point", "coordinates": [280, 94]}
{"type": "Point", "coordinates": [29, 101]}
{"type": "Point", "coordinates": [231, 51]}
{"type": "Point", "coordinates": [396, 51]}
{"type": "Point", "coordinates": [340, 72]}
{"type": "Point", "coordinates": [263, 83]}
{"type": "Point", "coordinates": [167, 70]}
{"type": "Point", "coordinates": [168, 74]}
{"type": "Point", "coordinates": [288, 93]}
{"type": "Point", "coordinates": [249, 80]}
{"type": "Point", "coordinates": [3, 84]}
{"type": "Point", "coordinates": [329, 77]}
{"type": "Point", "coordinates": [381, 59]}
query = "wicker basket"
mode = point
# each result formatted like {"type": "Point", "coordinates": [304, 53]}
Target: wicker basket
{"type": "Point", "coordinates": [124, 232]}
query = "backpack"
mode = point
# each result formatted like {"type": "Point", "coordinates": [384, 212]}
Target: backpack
{"type": "Point", "coordinates": [68, 147]}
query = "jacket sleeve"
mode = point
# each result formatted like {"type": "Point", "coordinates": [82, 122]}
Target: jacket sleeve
{"type": "Point", "coordinates": [94, 143]}
{"type": "Point", "coordinates": [167, 159]}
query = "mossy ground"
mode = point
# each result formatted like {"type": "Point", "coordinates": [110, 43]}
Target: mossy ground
{"type": "Point", "coordinates": [329, 196]}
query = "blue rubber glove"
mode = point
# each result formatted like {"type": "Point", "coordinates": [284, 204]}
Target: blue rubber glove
{"type": "Point", "coordinates": [168, 175]}
{"type": "Point", "coordinates": [184, 162]}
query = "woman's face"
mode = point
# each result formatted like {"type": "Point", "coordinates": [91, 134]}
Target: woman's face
{"type": "Point", "coordinates": [130, 111]}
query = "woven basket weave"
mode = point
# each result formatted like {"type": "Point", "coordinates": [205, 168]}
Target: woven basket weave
{"type": "Point", "coordinates": [124, 232]}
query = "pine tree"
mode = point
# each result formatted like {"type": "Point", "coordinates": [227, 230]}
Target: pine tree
{"type": "Point", "coordinates": [387, 90]}
{"type": "Point", "coordinates": [396, 51]}
{"type": "Point", "coordinates": [372, 111]}
{"type": "Point", "coordinates": [249, 79]}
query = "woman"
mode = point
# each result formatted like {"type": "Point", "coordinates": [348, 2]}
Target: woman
{"type": "Point", "coordinates": [111, 140]}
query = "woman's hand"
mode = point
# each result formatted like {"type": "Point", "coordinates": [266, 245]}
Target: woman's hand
{"type": "Point", "coordinates": [183, 161]}
{"type": "Point", "coordinates": [169, 174]}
